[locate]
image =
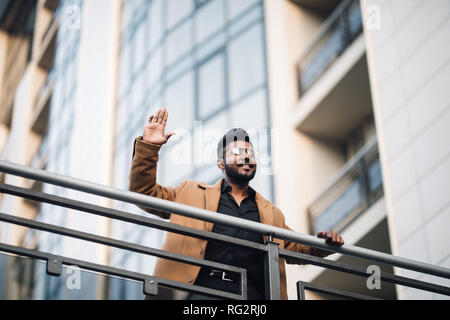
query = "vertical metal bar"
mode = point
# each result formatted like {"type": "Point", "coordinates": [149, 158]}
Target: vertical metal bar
{"type": "Point", "coordinates": [301, 290]}
{"type": "Point", "coordinates": [272, 271]}
{"type": "Point", "coordinates": [244, 284]}
{"type": "Point", "coordinates": [150, 286]}
{"type": "Point", "coordinates": [54, 266]}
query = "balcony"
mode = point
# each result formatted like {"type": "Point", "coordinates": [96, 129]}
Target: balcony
{"type": "Point", "coordinates": [319, 6]}
{"type": "Point", "coordinates": [42, 104]}
{"type": "Point", "coordinates": [337, 33]}
{"type": "Point", "coordinates": [47, 50]}
{"type": "Point", "coordinates": [51, 5]}
{"type": "Point", "coordinates": [354, 189]}
{"type": "Point", "coordinates": [53, 265]}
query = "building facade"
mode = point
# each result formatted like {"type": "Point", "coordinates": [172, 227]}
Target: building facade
{"type": "Point", "coordinates": [345, 102]}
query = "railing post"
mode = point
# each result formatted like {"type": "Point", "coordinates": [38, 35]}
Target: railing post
{"type": "Point", "coordinates": [301, 290]}
{"type": "Point", "coordinates": [272, 271]}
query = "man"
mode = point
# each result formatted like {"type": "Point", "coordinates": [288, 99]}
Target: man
{"type": "Point", "coordinates": [231, 195]}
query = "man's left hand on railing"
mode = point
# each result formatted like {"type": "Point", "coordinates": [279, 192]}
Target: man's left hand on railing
{"type": "Point", "coordinates": [331, 238]}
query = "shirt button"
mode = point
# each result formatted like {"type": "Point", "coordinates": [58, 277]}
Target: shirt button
{"type": "Point", "coordinates": [201, 252]}
{"type": "Point", "coordinates": [191, 280]}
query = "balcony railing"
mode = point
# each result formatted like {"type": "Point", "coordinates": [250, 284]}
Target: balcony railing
{"type": "Point", "coordinates": [354, 189]}
{"type": "Point", "coordinates": [48, 41]}
{"type": "Point", "coordinates": [43, 95]}
{"type": "Point", "coordinates": [342, 27]}
{"type": "Point", "coordinates": [150, 284]}
{"type": "Point", "coordinates": [54, 22]}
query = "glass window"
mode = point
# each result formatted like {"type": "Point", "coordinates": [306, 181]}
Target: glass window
{"type": "Point", "coordinates": [212, 131]}
{"type": "Point", "coordinates": [177, 10]}
{"type": "Point", "coordinates": [125, 70]}
{"type": "Point", "coordinates": [155, 23]}
{"type": "Point", "coordinates": [208, 47]}
{"type": "Point", "coordinates": [246, 62]}
{"type": "Point", "coordinates": [210, 174]}
{"type": "Point", "coordinates": [179, 42]}
{"type": "Point", "coordinates": [154, 68]}
{"type": "Point", "coordinates": [177, 161]}
{"type": "Point", "coordinates": [248, 18]}
{"type": "Point", "coordinates": [127, 14]}
{"type": "Point", "coordinates": [211, 80]}
{"type": "Point", "coordinates": [262, 183]}
{"type": "Point", "coordinates": [122, 114]}
{"type": "Point", "coordinates": [138, 91]}
{"type": "Point", "coordinates": [139, 48]}
{"type": "Point", "coordinates": [179, 100]}
{"type": "Point", "coordinates": [250, 113]}
{"type": "Point", "coordinates": [209, 19]}
{"type": "Point", "coordinates": [236, 7]}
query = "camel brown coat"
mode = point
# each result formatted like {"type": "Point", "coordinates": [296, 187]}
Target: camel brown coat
{"type": "Point", "coordinates": [200, 195]}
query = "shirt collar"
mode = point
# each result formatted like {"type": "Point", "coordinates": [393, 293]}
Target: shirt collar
{"type": "Point", "coordinates": [227, 188]}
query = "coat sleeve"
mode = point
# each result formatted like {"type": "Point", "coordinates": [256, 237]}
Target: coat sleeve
{"type": "Point", "coordinates": [143, 175]}
{"type": "Point", "coordinates": [298, 247]}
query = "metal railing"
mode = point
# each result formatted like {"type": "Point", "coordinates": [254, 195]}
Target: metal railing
{"type": "Point", "coordinates": [354, 189]}
{"type": "Point", "coordinates": [151, 283]}
{"type": "Point", "coordinates": [303, 286]}
{"type": "Point", "coordinates": [340, 29]}
{"type": "Point", "coordinates": [54, 22]}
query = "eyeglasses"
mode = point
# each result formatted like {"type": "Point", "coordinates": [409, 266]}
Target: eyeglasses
{"type": "Point", "coordinates": [243, 151]}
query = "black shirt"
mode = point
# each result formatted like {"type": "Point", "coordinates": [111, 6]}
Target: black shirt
{"type": "Point", "coordinates": [234, 255]}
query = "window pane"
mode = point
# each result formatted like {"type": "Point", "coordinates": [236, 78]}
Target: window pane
{"type": "Point", "coordinates": [154, 68]}
{"type": "Point", "coordinates": [212, 131]}
{"type": "Point", "coordinates": [251, 113]}
{"type": "Point", "coordinates": [125, 69]}
{"type": "Point", "coordinates": [236, 7]}
{"type": "Point", "coordinates": [139, 47]}
{"type": "Point", "coordinates": [155, 23]}
{"type": "Point", "coordinates": [262, 183]}
{"type": "Point", "coordinates": [180, 103]}
{"type": "Point", "coordinates": [127, 14]}
{"type": "Point", "coordinates": [177, 10]}
{"type": "Point", "coordinates": [210, 18]}
{"type": "Point", "coordinates": [211, 86]}
{"type": "Point", "coordinates": [138, 90]}
{"type": "Point", "coordinates": [179, 42]}
{"type": "Point", "coordinates": [246, 62]}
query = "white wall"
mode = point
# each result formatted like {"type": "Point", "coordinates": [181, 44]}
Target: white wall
{"type": "Point", "coordinates": [409, 62]}
{"type": "Point", "coordinates": [93, 133]}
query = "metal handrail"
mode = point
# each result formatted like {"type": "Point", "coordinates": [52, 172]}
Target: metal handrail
{"type": "Point", "coordinates": [271, 250]}
{"type": "Point", "coordinates": [202, 214]}
{"type": "Point", "coordinates": [302, 286]}
{"type": "Point", "coordinates": [55, 263]}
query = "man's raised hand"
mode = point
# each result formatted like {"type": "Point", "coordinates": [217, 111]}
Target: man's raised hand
{"type": "Point", "coordinates": [154, 130]}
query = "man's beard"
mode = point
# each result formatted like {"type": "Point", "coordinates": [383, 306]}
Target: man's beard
{"type": "Point", "coordinates": [238, 178]}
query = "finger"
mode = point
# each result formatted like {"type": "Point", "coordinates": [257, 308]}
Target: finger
{"type": "Point", "coordinates": [329, 237]}
{"type": "Point", "coordinates": [151, 118]}
{"type": "Point", "coordinates": [321, 234]}
{"type": "Point", "coordinates": [166, 116]}
{"type": "Point", "coordinates": [163, 115]}
{"type": "Point", "coordinates": [341, 241]}
{"type": "Point", "coordinates": [157, 115]}
{"type": "Point", "coordinates": [335, 240]}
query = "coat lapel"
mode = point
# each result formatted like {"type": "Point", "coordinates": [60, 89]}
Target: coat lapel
{"type": "Point", "coordinates": [265, 211]}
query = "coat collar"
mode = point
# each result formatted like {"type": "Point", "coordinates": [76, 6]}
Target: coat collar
{"type": "Point", "coordinates": [213, 193]}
